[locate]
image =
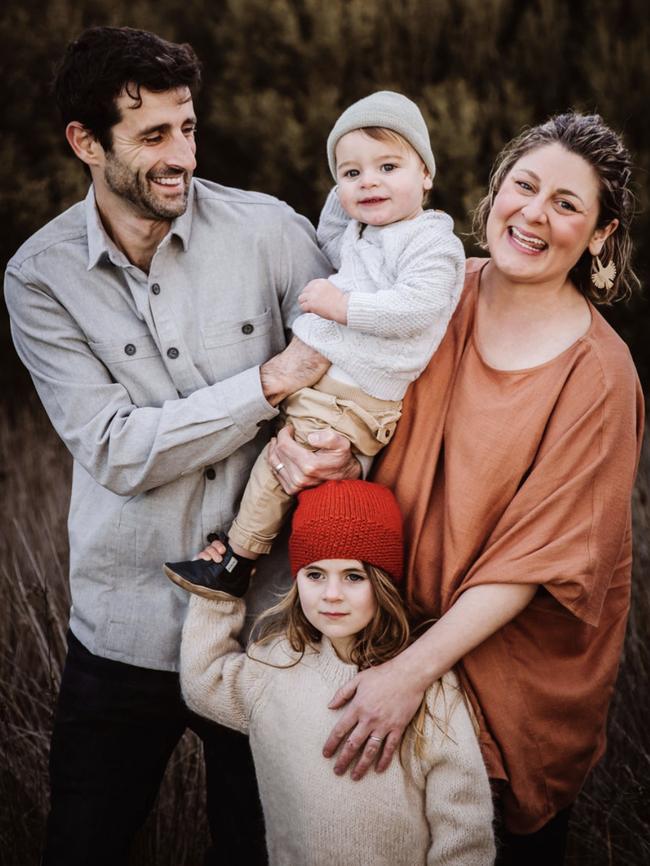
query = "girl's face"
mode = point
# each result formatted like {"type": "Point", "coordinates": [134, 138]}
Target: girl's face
{"type": "Point", "coordinates": [544, 216]}
{"type": "Point", "coordinates": [338, 599]}
{"type": "Point", "coordinates": [379, 182]}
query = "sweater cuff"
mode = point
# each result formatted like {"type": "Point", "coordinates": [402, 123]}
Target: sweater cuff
{"type": "Point", "coordinates": [221, 603]}
{"type": "Point", "coordinates": [362, 312]}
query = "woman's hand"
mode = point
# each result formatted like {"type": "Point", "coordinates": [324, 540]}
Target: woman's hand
{"type": "Point", "coordinates": [382, 701]}
{"type": "Point", "coordinates": [299, 467]}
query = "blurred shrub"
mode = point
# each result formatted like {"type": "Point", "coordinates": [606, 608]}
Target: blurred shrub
{"type": "Point", "coordinates": [278, 72]}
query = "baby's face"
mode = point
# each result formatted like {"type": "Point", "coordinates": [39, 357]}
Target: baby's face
{"type": "Point", "coordinates": [379, 181]}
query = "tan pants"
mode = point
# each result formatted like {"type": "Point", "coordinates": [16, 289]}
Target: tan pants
{"type": "Point", "coordinates": [367, 422]}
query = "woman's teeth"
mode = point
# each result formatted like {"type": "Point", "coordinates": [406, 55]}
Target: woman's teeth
{"type": "Point", "coordinates": [528, 241]}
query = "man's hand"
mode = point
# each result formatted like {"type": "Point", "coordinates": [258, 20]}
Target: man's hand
{"type": "Point", "coordinates": [382, 701]}
{"type": "Point", "coordinates": [298, 366]}
{"type": "Point", "coordinates": [323, 298]}
{"type": "Point", "coordinates": [332, 461]}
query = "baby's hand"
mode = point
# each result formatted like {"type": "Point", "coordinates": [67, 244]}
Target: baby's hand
{"type": "Point", "coordinates": [324, 299]}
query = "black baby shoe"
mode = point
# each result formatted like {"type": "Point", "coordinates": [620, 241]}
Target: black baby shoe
{"type": "Point", "coordinates": [205, 577]}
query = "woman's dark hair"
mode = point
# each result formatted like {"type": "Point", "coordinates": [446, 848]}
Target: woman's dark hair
{"type": "Point", "coordinates": [589, 137]}
{"type": "Point", "coordinates": [107, 61]}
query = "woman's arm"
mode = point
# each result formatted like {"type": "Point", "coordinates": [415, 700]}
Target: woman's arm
{"type": "Point", "coordinates": [384, 699]}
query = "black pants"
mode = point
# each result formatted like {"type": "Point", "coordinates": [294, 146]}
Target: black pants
{"type": "Point", "coordinates": [546, 847]}
{"type": "Point", "coordinates": [115, 728]}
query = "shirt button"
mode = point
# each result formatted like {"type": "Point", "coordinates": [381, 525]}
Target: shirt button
{"type": "Point", "coordinates": [247, 328]}
{"type": "Point", "coordinates": [212, 536]}
{"type": "Point", "coordinates": [155, 289]}
{"type": "Point", "coordinates": [210, 474]}
{"type": "Point", "coordinates": [173, 353]}
{"type": "Point", "coordinates": [130, 349]}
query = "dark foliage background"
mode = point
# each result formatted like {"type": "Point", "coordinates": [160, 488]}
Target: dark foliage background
{"type": "Point", "coordinates": [276, 75]}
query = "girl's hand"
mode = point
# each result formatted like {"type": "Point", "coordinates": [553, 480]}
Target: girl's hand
{"type": "Point", "coordinates": [323, 298]}
{"type": "Point", "coordinates": [382, 701]}
{"type": "Point", "coordinates": [296, 467]}
{"type": "Point", "coordinates": [214, 551]}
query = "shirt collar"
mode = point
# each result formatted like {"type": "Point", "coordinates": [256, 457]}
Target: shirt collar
{"type": "Point", "coordinates": [99, 243]}
{"type": "Point", "coordinates": [98, 240]}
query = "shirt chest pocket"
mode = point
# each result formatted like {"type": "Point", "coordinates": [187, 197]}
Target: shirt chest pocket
{"type": "Point", "coordinates": [136, 364]}
{"type": "Point", "coordinates": [233, 346]}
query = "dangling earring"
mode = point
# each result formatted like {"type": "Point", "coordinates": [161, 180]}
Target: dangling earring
{"type": "Point", "coordinates": [602, 277]}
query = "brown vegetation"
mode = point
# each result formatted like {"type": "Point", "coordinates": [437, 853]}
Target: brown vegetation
{"type": "Point", "coordinates": [610, 825]}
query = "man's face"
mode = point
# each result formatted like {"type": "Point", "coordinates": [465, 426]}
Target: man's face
{"type": "Point", "coordinates": [152, 157]}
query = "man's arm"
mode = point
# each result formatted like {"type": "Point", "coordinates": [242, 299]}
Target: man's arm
{"type": "Point", "coordinates": [129, 448]}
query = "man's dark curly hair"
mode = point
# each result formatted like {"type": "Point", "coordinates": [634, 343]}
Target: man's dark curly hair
{"type": "Point", "coordinates": [107, 61]}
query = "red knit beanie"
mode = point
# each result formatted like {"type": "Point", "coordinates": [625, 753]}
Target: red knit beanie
{"type": "Point", "coordinates": [348, 520]}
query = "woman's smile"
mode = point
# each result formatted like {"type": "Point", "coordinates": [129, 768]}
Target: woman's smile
{"type": "Point", "coordinates": [528, 243]}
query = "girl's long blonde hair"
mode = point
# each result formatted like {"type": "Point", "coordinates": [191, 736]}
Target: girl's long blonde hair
{"type": "Point", "coordinates": [386, 635]}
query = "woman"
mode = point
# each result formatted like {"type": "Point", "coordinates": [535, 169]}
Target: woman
{"type": "Point", "coordinates": [514, 464]}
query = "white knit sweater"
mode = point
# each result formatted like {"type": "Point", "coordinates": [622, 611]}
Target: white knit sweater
{"type": "Point", "coordinates": [404, 281]}
{"type": "Point", "coordinates": [435, 810]}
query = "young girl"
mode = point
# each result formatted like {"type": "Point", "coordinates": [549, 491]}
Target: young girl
{"type": "Point", "coordinates": [344, 612]}
{"type": "Point", "coordinates": [379, 319]}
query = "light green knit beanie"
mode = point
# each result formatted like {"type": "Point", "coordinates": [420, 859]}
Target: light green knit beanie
{"type": "Point", "coordinates": [389, 110]}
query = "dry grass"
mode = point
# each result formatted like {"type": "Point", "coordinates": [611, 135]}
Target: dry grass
{"type": "Point", "coordinates": [35, 601]}
{"type": "Point", "coordinates": [611, 823]}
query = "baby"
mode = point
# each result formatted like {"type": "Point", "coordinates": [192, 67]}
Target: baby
{"type": "Point", "coordinates": [378, 320]}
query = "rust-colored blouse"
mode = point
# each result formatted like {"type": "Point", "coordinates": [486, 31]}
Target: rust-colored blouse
{"type": "Point", "coordinates": [525, 477]}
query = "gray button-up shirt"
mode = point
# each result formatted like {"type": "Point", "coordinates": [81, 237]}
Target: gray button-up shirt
{"type": "Point", "coordinates": [152, 381]}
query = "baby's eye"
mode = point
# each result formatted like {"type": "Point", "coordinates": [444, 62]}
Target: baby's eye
{"type": "Point", "coordinates": [388, 166]}
{"type": "Point", "coordinates": [355, 576]}
{"type": "Point", "coordinates": [351, 172]}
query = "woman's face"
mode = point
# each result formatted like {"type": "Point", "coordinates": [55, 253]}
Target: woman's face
{"type": "Point", "coordinates": [544, 216]}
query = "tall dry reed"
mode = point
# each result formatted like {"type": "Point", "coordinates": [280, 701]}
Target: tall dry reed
{"type": "Point", "coordinates": [611, 821]}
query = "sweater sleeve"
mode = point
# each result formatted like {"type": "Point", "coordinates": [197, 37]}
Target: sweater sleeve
{"type": "Point", "coordinates": [458, 798]}
{"type": "Point", "coordinates": [332, 224]}
{"type": "Point", "coordinates": [218, 679]}
{"type": "Point", "coordinates": [430, 271]}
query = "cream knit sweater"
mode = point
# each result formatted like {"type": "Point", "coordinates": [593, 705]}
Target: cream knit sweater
{"type": "Point", "coordinates": [404, 281]}
{"type": "Point", "coordinates": [435, 810]}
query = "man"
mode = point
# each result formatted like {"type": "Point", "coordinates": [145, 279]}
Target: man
{"type": "Point", "coordinates": [143, 315]}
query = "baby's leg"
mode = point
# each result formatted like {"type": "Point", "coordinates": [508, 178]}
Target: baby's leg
{"type": "Point", "coordinates": [262, 511]}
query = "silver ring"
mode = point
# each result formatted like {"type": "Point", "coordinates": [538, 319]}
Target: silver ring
{"type": "Point", "coordinates": [279, 467]}
{"type": "Point", "coordinates": [379, 739]}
